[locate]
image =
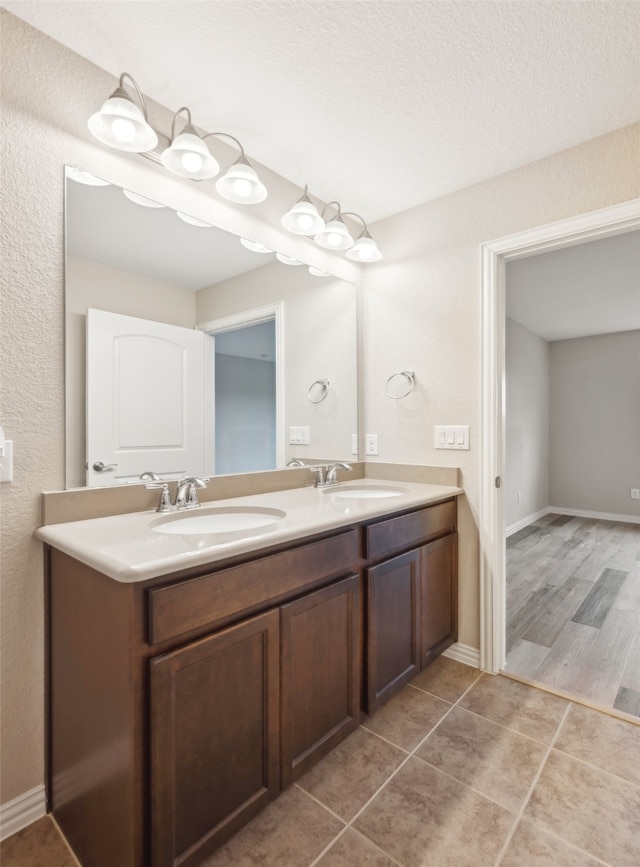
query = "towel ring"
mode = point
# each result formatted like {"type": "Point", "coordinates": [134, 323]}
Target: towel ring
{"type": "Point", "coordinates": [411, 381]}
{"type": "Point", "coordinates": [324, 390]}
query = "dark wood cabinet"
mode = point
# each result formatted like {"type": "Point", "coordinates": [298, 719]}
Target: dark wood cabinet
{"type": "Point", "coordinates": [412, 599]}
{"type": "Point", "coordinates": [179, 706]}
{"type": "Point", "coordinates": [321, 673]}
{"type": "Point", "coordinates": [393, 607]}
{"type": "Point", "coordinates": [438, 597]}
{"type": "Point", "coordinates": [215, 738]}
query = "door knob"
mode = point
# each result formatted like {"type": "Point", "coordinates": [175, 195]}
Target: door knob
{"type": "Point", "coordinates": [101, 467]}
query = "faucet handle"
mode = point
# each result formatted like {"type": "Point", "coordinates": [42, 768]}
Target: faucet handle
{"type": "Point", "coordinates": [320, 472]}
{"type": "Point", "coordinates": [165, 497]}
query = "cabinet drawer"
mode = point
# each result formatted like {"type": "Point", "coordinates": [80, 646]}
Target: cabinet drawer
{"type": "Point", "coordinates": [405, 531]}
{"type": "Point", "coordinates": [217, 597]}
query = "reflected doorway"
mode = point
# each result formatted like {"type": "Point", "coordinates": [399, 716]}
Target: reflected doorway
{"type": "Point", "coordinates": [245, 399]}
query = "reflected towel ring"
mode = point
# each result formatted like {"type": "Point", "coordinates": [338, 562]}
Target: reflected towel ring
{"type": "Point", "coordinates": [324, 390]}
{"type": "Point", "coordinates": [409, 386]}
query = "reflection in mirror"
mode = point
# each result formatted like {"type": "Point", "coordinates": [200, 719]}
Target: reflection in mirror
{"type": "Point", "coordinates": [191, 353]}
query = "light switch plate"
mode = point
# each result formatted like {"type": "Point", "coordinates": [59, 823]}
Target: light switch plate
{"type": "Point", "coordinates": [354, 444]}
{"type": "Point", "coordinates": [299, 435]}
{"type": "Point", "coordinates": [451, 436]}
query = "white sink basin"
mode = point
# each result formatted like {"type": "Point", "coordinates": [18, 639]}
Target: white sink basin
{"type": "Point", "coordinates": [366, 492]}
{"type": "Point", "coordinates": [229, 522]}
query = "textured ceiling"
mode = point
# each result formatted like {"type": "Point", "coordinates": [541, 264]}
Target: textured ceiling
{"type": "Point", "coordinates": [382, 104]}
{"type": "Point", "coordinates": [591, 288]}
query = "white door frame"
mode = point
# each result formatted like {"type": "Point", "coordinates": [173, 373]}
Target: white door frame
{"type": "Point", "coordinates": [575, 230]}
{"type": "Point", "coordinates": [244, 319]}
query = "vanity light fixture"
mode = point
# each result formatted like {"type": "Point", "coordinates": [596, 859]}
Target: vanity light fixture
{"type": "Point", "coordinates": [187, 155]}
{"type": "Point", "coordinates": [334, 235]}
{"type": "Point", "coordinates": [123, 125]}
{"type": "Point", "coordinates": [365, 248]}
{"type": "Point", "coordinates": [142, 200]}
{"type": "Point", "coordinates": [303, 217]}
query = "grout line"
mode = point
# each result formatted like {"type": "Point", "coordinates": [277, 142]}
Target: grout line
{"type": "Point", "coordinates": [527, 797]}
{"type": "Point", "coordinates": [399, 768]}
{"type": "Point", "coordinates": [386, 740]}
{"type": "Point", "coordinates": [569, 845]}
{"type": "Point", "coordinates": [506, 728]}
{"type": "Point", "coordinates": [466, 785]}
{"type": "Point", "coordinates": [597, 768]}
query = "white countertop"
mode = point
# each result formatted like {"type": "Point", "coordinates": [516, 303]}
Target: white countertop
{"type": "Point", "coordinates": [127, 549]}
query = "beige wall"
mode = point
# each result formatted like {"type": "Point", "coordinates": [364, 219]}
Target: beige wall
{"type": "Point", "coordinates": [595, 423]}
{"type": "Point", "coordinates": [319, 343]}
{"type": "Point", "coordinates": [526, 423]}
{"type": "Point", "coordinates": [422, 310]}
{"type": "Point", "coordinates": [422, 305]}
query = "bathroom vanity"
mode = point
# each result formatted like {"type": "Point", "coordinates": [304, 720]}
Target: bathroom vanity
{"type": "Point", "coordinates": [187, 690]}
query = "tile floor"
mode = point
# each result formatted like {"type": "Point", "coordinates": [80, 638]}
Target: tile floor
{"type": "Point", "coordinates": [459, 770]}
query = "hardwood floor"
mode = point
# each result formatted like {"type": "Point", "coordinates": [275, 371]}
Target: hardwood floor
{"type": "Point", "coordinates": [573, 608]}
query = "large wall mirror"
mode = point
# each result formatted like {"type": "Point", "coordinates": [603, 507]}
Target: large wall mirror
{"type": "Point", "coordinates": [190, 353]}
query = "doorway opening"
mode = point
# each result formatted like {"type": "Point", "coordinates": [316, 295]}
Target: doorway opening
{"type": "Point", "coordinates": [495, 255]}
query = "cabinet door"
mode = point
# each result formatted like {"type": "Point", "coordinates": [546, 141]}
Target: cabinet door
{"type": "Point", "coordinates": [214, 739]}
{"type": "Point", "coordinates": [439, 602]}
{"type": "Point", "coordinates": [321, 666]}
{"type": "Point", "coordinates": [393, 646]}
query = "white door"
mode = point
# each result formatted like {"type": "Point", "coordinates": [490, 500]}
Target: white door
{"type": "Point", "coordinates": [146, 399]}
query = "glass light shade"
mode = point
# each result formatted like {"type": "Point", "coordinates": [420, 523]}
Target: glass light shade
{"type": "Point", "coordinates": [318, 272]}
{"type": "Point", "coordinates": [189, 157]}
{"type": "Point", "coordinates": [241, 184]}
{"type": "Point", "coordinates": [303, 219]}
{"type": "Point", "coordinates": [287, 260]}
{"type": "Point", "coordinates": [193, 221]}
{"type": "Point", "coordinates": [365, 249]}
{"type": "Point", "coordinates": [142, 200]}
{"type": "Point", "coordinates": [121, 125]}
{"type": "Point", "coordinates": [254, 246]}
{"type": "Point", "coordinates": [334, 236]}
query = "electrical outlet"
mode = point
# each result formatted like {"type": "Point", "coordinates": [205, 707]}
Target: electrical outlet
{"type": "Point", "coordinates": [6, 462]}
{"type": "Point", "coordinates": [371, 444]}
{"type": "Point", "coordinates": [635, 493]}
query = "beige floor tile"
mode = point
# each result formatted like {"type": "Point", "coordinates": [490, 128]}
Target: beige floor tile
{"type": "Point", "coordinates": [293, 830]}
{"type": "Point", "coordinates": [38, 845]}
{"type": "Point", "coordinates": [531, 847]}
{"type": "Point", "coordinates": [408, 717]}
{"type": "Point", "coordinates": [446, 678]}
{"type": "Point", "coordinates": [516, 706]}
{"type": "Point", "coordinates": [352, 773]}
{"type": "Point", "coordinates": [352, 850]}
{"type": "Point", "coordinates": [423, 817]}
{"type": "Point", "coordinates": [588, 808]}
{"type": "Point", "coordinates": [601, 740]}
{"type": "Point", "coordinates": [499, 763]}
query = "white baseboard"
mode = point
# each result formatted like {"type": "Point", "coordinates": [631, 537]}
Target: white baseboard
{"type": "Point", "coordinates": [575, 513]}
{"type": "Point", "coordinates": [524, 522]}
{"type": "Point", "coordinates": [22, 811]}
{"type": "Point", "coordinates": [464, 653]}
{"type": "Point", "coordinates": [599, 516]}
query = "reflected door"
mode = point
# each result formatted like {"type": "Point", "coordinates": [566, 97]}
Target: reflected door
{"type": "Point", "coordinates": [146, 399]}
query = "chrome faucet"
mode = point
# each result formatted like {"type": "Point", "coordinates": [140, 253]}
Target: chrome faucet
{"type": "Point", "coordinates": [149, 474]}
{"type": "Point", "coordinates": [326, 476]}
{"type": "Point", "coordinates": [296, 462]}
{"type": "Point", "coordinates": [186, 494]}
